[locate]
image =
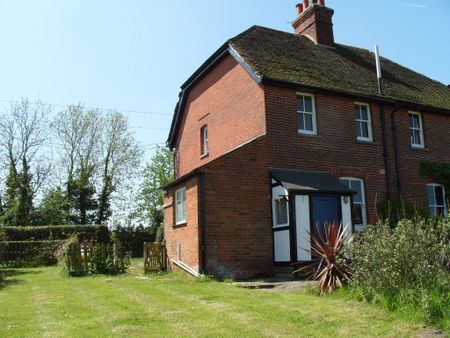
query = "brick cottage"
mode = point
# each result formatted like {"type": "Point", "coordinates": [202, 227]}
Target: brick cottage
{"type": "Point", "coordinates": [277, 132]}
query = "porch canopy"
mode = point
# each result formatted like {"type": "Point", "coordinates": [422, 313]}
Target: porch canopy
{"type": "Point", "coordinates": [310, 181]}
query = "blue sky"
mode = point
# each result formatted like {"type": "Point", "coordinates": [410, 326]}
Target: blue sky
{"type": "Point", "coordinates": [133, 55]}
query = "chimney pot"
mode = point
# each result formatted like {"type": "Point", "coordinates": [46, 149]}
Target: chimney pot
{"type": "Point", "coordinates": [305, 4]}
{"type": "Point", "coordinates": [299, 8]}
{"type": "Point", "coordinates": [322, 3]}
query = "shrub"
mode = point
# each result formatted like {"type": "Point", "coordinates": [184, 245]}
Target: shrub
{"type": "Point", "coordinates": [133, 238]}
{"type": "Point", "coordinates": [57, 232]}
{"type": "Point", "coordinates": [394, 211]}
{"type": "Point", "coordinates": [405, 266]}
{"type": "Point", "coordinates": [328, 265]}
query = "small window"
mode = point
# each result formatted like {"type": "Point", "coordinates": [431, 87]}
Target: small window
{"type": "Point", "coordinates": [204, 140]}
{"type": "Point", "coordinates": [306, 114]}
{"type": "Point", "coordinates": [281, 211]}
{"type": "Point", "coordinates": [416, 130]}
{"type": "Point", "coordinates": [363, 122]}
{"type": "Point", "coordinates": [359, 214]}
{"type": "Point", "coordinates": [180, 206]}
{"type": "Point", "coordinates": [436, 200]}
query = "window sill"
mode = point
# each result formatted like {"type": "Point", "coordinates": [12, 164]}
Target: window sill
{"type": "Point", "coordinates": [179, 224]}
{"type": "Point", "coordinates": [204, 156]}
{"type": "Point", "coordinates": [309, 135]}
{"type": "Point", "coordinates": [419, 148]}
{"type": "Point", "coordinates": [361, 141]}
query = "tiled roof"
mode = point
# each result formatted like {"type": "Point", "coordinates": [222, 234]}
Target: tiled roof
{"type": "Point", "coordinates": [286, 57]}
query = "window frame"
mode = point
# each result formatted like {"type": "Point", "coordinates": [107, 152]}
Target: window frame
{"type": "Point", "coordinates": [421, 131]}
{"type": "Point", "coordinates": [279, 193]}
{"type": "Point", "coordinates": [204, 143]}
{"type": "Point", "coordinates": [369, 123]}
{"type": "Point", "coordinates": [435, 206]}
{"type": "Point", "coordinates": [363, 204]}
{"type": "Point", "coordinates": [182, 201]}
{"type": "Point", "coordinates": [313, 114]}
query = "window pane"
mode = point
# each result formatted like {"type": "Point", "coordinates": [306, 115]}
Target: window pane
{"type": "Point", "coordinates": [358, 129]}
{"type": "Point", "coordinates": [300, 104]}
{"type": "Point", "coordinates": [439, 195]}
{"type": "Point", "coordinates": [281, 211]}
{"type": "Point", "coordinates": [417, 139]}
{"type": "Point", "coordinates": [301, 121]}
{"type": "Point", "coordinates": [430, 191]}
{"type": "Point", "coordinates": [440, 211]}
{"type": "Point", "coordinates": [357, 217]}
{"type": "Point", "coordinates": [357, 186]}
{"type": "Point", "coordinates": [364, 114]}
{"type": "Point", "coordinates": [364, 129]}
{"type": "Point", "coordinates": [308, 122]}
{"type": "Point", "coordinates": [357, 112]}
{"type": "Point", "coordinates": [411, 121]}
{"type": "Point", "coordinates": [308, 104]}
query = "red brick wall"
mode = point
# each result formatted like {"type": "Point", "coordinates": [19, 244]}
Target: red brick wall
{"type": "Point", "coordinates": [334, 149]}
{"type": "Point", "coordinates": [230, 102]}
{"type": "Point", "coordinates": [183, 240]}
{"type": "Point", "coordinates": [238, 215]}
{"type": "Point", "coordinates": [437, 148]}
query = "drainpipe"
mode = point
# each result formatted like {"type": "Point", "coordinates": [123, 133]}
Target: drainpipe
{"type": "Point", "coordinates": [386, 152]}
{"type": "Point", "coordinates": [202, 224]}
{"type": "Point", "coordinates": [396, 152]}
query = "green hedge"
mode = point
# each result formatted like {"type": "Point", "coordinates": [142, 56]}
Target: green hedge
{"type": "Point", "coordinates": [56, 232]}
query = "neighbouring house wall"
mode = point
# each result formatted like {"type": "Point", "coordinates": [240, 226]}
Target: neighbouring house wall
{"type": "Point", "coordinates": [437, 149]}
{"type": "Point", "coordinates": [335, 148]}
{"type": "Point", "coordinates": [231, 103]}
{"type": "Point", "coordinates": [238, 214]}
{"type": "Point", "coordinates": [183, 240]}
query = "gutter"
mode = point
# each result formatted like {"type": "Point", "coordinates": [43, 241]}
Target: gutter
{"type": "Point", "coordinates": [386, 152]}
{"type": "Point", "coordinates": [396, 151]}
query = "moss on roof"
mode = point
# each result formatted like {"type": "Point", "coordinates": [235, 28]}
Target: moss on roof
{"type": "Point", "coordinates": [296, 59]}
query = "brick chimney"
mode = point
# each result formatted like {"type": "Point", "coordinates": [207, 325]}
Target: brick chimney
{"type": "Point", "coordinates": [314, 20]}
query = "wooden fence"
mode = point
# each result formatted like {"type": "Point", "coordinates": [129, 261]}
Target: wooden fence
{"type": "Point", "coordinates": [28, 253]}
{"type": "Point", "coordinates": [83, 258]}
{"type": "Point", "coordinates": [155, 257]}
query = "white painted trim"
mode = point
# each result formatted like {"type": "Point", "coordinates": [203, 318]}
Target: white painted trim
{"type": "Point", "coordinates": [282, 246]}
{"type": "Point", "coordinates": [369, 123]}
{"type": "Point", "coordinates": [187, 268]}
{"type": "Point", "coordinates": [443, 197]}
{"type": "Point", "coordinates": [422, 144]}
{"type": "Point", "coordinates": [303, 227]}
{"type": "Point", "coordinates": [182, 221]}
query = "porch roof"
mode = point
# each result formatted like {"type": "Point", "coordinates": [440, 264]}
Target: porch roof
{"type": "Point", "coordinates": [310, 181]}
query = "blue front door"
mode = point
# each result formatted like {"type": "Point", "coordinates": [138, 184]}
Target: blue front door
{"type": "Point", "coordinates": [325, 210]}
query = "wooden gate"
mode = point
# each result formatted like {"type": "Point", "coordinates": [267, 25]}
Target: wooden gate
{"type": "Point", "coordinates": [155, 257]}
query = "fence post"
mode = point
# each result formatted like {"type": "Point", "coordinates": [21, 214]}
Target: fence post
{"type": "Point", "coordinates": [115, 258]}
{"type": "Point", "coordinates": [145, 257]}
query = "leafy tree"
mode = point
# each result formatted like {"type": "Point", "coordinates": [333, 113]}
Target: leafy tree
{"type": "Point", "coordinates": [54, 208]}
{"type": "Point", "coordinates": [150, 198]}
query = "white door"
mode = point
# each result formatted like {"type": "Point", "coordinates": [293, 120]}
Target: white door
{"type": "Point", "coordinates": [302, 218]}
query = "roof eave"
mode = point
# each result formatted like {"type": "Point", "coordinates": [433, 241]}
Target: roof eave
{"type": "Point", "coordinates": [386, 100]}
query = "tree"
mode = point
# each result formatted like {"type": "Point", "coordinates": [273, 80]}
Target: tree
{"type": "Point", "coordinates": [78, 131]}
{"type": "Point", "coordinates": [23, 132]}
{"type": "Point", "coordinates": [121, 155]}
{"type": "Point", "coordinates": [54, 207]}
{"type": "Point", "coordinates": [150, 198]}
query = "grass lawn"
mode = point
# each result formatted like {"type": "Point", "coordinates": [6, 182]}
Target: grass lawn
{"type": "Point", "coordinates": [40, 302]}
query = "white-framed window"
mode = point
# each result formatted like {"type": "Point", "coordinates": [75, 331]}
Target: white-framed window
{"type": "Point", "coordinates": [204, 140]}
{"type": "Point", "coordinates": [280, 207]}
{"type": "Point", "coordinates": [436, 199]}
{"type": "Point", "coordinates": [180, 206]}
{"type": "Point", "coordinates": [306, 110]}
{"type": "Point", "coordinates": [416, 130]}
{"type": "Point", "coordinates": [363, 122]}
{"type": "Point", "coordinates": [359, 212]}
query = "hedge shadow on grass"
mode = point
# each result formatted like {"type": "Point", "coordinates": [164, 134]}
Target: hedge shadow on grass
{"type": "Point", "coordinates": [9, 277]}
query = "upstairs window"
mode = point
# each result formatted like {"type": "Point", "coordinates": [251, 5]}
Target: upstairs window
{"type": "Point", "coordinates": [359, 213]}
{"type": "Point", "coordinates": [436, 200]}
{"type": "Point", "coordinates": [204, 140]}
{"type": "Point", "coordinates": [416, 130]}
{"type": "Point", "coordinates": [180, 206]}
{"type": "Point", "coordinates": [306, 114]}
{"type": "Point", "coordinates": [363, 122]}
